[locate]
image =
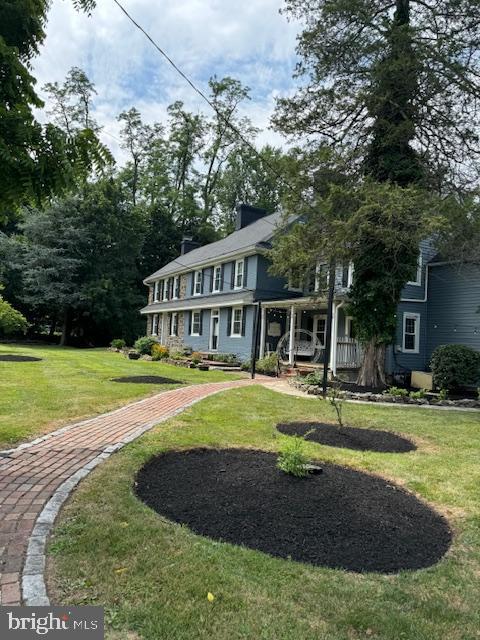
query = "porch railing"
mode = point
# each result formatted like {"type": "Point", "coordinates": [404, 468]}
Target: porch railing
{"type": "Point", "coordinates": [349, 353]}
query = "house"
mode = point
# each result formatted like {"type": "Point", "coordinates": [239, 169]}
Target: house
{"type": "Point", "coordinates": [213, 297]}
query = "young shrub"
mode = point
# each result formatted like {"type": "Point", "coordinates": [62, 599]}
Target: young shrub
{"type": "Point", "coordinates": [292, 458]}
{"type": "Point", "coordinates": [454, 366]}
{"type": "Point", "coordinates": [268, 365]}
{"type": "Point", "coordinates": [314, 378]}
{"type": "Point", "coordinates": [337, 400]}
{"type": "Point", "coordinates": [443, 394]}
{"type": "Point", "coordinates": [418, 395]}
{"type": "Point", "coordinates": [177, 355]}
{"type": "Point", "coordinates": [118, 344]}
{"type": "Point", "coordinates": [144, 345]}
{"type": "Point", "coordinates": [196, 358]}
{"type": "Point", "coordinates": [397, 392]}
{"type": "Point", "coordinates": [159, 352]}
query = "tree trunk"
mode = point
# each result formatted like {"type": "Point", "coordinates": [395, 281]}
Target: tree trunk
{"type": "Point", "coordinates": [65, 328]}
{"type": "Point", "coordinates": [372, 371]}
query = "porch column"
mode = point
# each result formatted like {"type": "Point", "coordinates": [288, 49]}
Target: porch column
{"type": "Point", "coordinates": [291, 345]}
{"type": "Point", "coordinates": [333, 350]}
{"type": "Point", "coordinates": [263, 329]}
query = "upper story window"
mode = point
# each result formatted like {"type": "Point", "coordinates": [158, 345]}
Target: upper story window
{"type": "Point", "coordinates": [196, 323]}
{"type": "Point", "coordinates": [411, 332]}
{"type": "Point", "coordinates": [237, 322]}
{"type": "Point", "coordinates": [197, 283]}
{"type": "Point", "coordinates": [156, 287]}
{"type": "Point", "coordinates": [347, 275]}
{"type": "Point", "coordinates": [217, 278]}
{"type": "Point", "coordinates": [165, 289]}
{"type": "Point", "coordinates": [176, 287]}
{"type": "Point", "coordinates": [295, 281]}
{"type": "Point", "coordinates": [321, 276]}
{"type": "Point", "coordinates": [418, 277]}
{"type": "Point", "coordinates": [239, 274]}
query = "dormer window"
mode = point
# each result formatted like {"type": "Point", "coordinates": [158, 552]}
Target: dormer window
{"type": "Point", "coordinates": [217, 278]}
{"type": "Point", "coordinates": [239, 274]}
{"type": "Point", "coordinates": [418, 278]}
{"type": "Point", "coordinates": [198, 280]}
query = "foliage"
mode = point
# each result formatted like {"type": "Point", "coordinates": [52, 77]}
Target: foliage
{"type": "Point", "coordinates": [454, 366]}
{"type": "Point", "coordinates": [177, 355]}
{"type": "Point", "coordinates": [337, 400]}
{"type": "Point", "coordinates": [144, 345]}
{"type": "Point", "coordinates": [118, 343]}
{"type": "Point", "coordinates": [11, 320]}
{"type": "Point", "coordinates": [268, 364]}
{"type": "Point", "coordinates": [159, 352]}
{"type": "Point", "coordinates": [292, 458]}
{"type": "Point", "coordinates": [37, 160]}
{"type": "Point", "coordinates": [418, 395]}
{"type": "Point", "coordinates": [315, 377]}
{"type": "Point", "coordinates": [196, 357]}
{"type": "Point", "coordinates": [443, 394]}
{"type": "Point", "coordinates": [397, 392]}
{"type": "Point", "coordinates": [229, 358]}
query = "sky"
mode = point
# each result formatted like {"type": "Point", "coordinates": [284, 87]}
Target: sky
{"type": "Point", "coordinates": [250, 41]}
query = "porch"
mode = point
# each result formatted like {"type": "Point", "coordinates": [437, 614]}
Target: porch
{"type": "Point", "coordinates": [296, 330]}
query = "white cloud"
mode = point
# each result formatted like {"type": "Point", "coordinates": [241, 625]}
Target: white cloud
{"type": "Point", "coordinates": [249, 41]}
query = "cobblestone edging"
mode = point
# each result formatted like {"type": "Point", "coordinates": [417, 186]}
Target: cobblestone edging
{"type": "Point", "coordinates": [37, 477]}
{"type": "Point", "coordinates": [316, 390]}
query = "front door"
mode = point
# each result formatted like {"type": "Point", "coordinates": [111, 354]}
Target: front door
{"type": "Point", "coordinates": [214, 329]}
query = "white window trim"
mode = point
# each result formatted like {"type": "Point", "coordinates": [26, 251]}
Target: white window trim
{"type": "Point", "coordinates": [195, 274]}
{"type": "Point", "coordinates": [214, 288]}
{"type": "Point", "coordinates": [193, 333]}
{"type": "Point", "coordinates": [176, 281]}
{"type": "Point", "coordinates": [155, 327]}
{"type": "Point", "coordinates": [174, 323]}
{"type": "Point", "coordinates": [351, 269]}
{"type": "Point", "coordinates": [348, 326]}
{"type": "Point", "coordinates": [416, 317]}
{"type": "Point", "coordinates": [165, 289]}
{"type": "Point", "coordinates": [215, 313]}
{"type": "Point", "coordinates": [237, 263]}
{"type": "Point", "coordinates": [232, 332]}
{"type": "Point", "coordinates": [418, 281]}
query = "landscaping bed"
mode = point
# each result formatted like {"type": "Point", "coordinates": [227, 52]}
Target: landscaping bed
{"type": "Point", "coordinates": [362, 393]}
{"type": "Point", "coordinates": [348, 437]}
{"type": "Point", "coordinates": [12, 357]}
{"type": "Point", "coordinates": [145, 380]}
{"type": "Point", "coordinates": [342, 518]}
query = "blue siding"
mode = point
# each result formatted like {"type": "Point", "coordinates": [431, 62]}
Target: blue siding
{"type": "Point", "coordinates": [453, 306]}
{"type": "Point", "coordinates": [250, 269]}
{"type": "Point", "coordinates": [270, 287]}
{"type": "Point", "coordinates": [396, 360]}
{"type": "Point", "coordinates": [241, 347]}
{"type": "Point", "coordinates": [415, 292]}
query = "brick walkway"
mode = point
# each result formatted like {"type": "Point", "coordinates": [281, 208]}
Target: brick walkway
{"type": "Point", "coordinates": [32, 473]}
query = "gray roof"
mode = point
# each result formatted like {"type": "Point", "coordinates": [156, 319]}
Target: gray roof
{"type": "Point", "coordinates": [250, 237]}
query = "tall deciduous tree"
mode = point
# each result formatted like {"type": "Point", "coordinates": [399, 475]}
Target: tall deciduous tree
{"type": "Point", "coordinates": [37, 161]}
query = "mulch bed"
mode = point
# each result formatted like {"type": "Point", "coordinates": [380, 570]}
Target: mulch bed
{"type": "Point", "coordinates": [145, 380]}
{"type": "Point", "coordinates": [357, 388]}
{"type": "Point", "coordinates": [11, 357]}
{"type": "Point", "coordinates": [340, 519]}
{"type": "Point", "coordinates": [348, 437]}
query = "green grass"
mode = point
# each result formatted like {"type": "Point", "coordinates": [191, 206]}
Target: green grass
{"type": "Point", "coordinates": [36, 397]}
{"type": "Point", "coordinates": [153, 576]}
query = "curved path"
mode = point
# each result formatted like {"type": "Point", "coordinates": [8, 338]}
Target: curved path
{"type": "Point", "coordinates": [36, 478]}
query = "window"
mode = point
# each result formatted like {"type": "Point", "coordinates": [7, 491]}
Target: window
{"type": "Point", "coordinates": [347, 275]}
{"type": "Point", "coordinates": [411, 332]}
{"type": "Point", "coordinates": [217, 278]}
{"type": "Point", "coordinates": [295, 281]}
{"type": "Point", "coordinates": [239, 270]}
{"type": "Point", "coordinates": [197, 286]}
{"type": "Point", "coordinates": [176, 287]}
{"type": "Point", "coordinates": [165, 289]}
{"type": "Point", "coordinates": [196, 323]}
{"type": "Point", "coordinates": [237, 321]}
{"type": "Point", "coordinates": [349, 327]}
{"type": "Point", "coordinates": [155, 324]}
{"type": "Point", "coordinates": [418, 278]}
{"type": "Point", "coordinates": [174, 324]}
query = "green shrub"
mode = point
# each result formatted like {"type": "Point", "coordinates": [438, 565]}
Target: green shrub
{"type": "Point", "coordinates": [118, 344]}
{"type": "Point", "coordinates": [316, 377]}
{"type": "Point", "coordinates": [396, 391]}
{"type": "Point", "coordinates": [177, 355]}
{"type": "Point", "coordinates": [455, 365]}
{"type": "Point", "coordinates": [159, 352]}
{"type": "Point", "coordinates": [292, 458]}
{"type": "Point", "coordinates": [11, 320]}
{"type": "Point", "coordinates": [417, 395]}
{"type": "Point", "coordinates": [443, 394]}
{"type": "Point", "coordinates": [144, 345]}
{"type": "Point", "coordinates": [268, 364]}
{"type": "Point", "coordinates": [196, 358]}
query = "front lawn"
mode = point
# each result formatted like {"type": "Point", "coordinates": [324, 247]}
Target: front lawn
{"type": "Point", "coordinates": [36, 397]}
{"type": "Point", "coordinates": [153, 576]}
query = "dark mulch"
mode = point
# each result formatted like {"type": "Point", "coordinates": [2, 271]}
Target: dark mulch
{"type": "Point", "coordinates": [348, 437]}
{"type": "Point", "coordinates": [146, 380]}
{"type": "Point", "coordinates": [340, 519]}
{"type": "Point", "coordinates": [12, 357]}
{"type": "Point", "coordinates": [357, 388]}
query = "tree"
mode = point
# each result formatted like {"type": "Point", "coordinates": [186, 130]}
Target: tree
{"type": "Point", "coordinates": [11, 320]}
{"type": "Point", "coordinates": [37, 161]}
{"type": "Point", "coordinates": [395, 84]}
